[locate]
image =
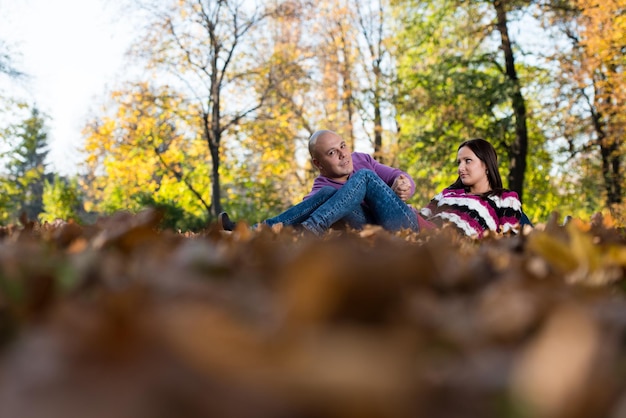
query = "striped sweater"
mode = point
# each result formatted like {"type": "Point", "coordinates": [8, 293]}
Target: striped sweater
{"type": "Point", "coordinates": [474, 214]}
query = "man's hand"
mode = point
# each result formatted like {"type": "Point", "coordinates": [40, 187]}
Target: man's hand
{"type": "Point", "coordinates": [402, 187]}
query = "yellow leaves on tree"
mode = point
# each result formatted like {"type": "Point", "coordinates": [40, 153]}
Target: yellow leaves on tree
{"type": "Point", "coordinates": [603, 38]}
{"type": "Point", "coordinates": [142, 151]}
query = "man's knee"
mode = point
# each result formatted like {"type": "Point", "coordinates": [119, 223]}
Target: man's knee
{"type": "Point", "coordinates": [364, 173]}
{"type": "Point", "coordinates": [326, 191]}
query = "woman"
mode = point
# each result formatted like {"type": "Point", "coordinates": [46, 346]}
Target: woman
{"type": "Point", "coordinates": [476, 202]}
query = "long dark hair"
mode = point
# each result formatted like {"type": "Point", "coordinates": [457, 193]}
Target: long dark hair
{"type": "Point", "coordinates": [487, 154]}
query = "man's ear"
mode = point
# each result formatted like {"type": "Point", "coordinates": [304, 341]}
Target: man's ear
{"type": "Point", "coordinates": [316, 163]}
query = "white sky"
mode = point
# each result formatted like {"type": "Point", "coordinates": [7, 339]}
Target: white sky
{"type": "Point", "coordinates": [72, 50]}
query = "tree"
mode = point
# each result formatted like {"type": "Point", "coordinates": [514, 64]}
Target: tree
{"type": "Point", "coordinates": [140, 155]}
{"type": "Point", "coordinates": [61, 200]}
{"type": "Point", "coordinates": [10, 109]}
{"type": "Point", "coordinates": [337, 50]}
{"type": "Point", "coordinates": [6, 62]}
{"type": "Point", "coordinates": [518, 149]}
{"type": "Point", "coordinates": [262, 173]}
{"type": "Point", "coordinates": [455, 84]}
{"type": "Point", "coordinates": [591, 86]}
{"type": "Point", "coordinates": [201, 43]}
{"type": "Point", "coordinates": [377, 68]}
{"type": "Point", "coordinates": [448, 88]}
{"type": "Point", "coordinates": [26, 164]}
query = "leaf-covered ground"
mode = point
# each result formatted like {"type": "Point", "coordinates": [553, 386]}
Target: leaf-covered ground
{"type": "Point", "coordinates": [121, 319]}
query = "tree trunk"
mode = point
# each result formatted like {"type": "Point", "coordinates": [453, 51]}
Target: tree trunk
{"type": "Point", "coordinates": [372, 31]}
{"type": "Point", "coordinates": [611, 164]}
{"type": "Point", "coordinates": [378, 130]}
{"type": "Point", "coordinates": [611, 167]}
{"type": "Point", "coordinates": [214, 144]}
{"type": "Point", "coordinates": [519, 149]}
{"type": "Point", "coordinates": [348, 96]}
{"type": "Point", "coordinates": [215, 182]}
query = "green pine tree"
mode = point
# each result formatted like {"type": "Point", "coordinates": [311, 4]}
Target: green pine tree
{"type": "Point", "coordinates": [26, 165]}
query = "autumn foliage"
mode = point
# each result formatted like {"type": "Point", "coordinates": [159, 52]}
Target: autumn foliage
{"type": "Point", "coordinates": [123, 318]}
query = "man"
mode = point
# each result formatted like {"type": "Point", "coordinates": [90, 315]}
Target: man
{"type": "Point", "coordinates": [336, 163]}
{"type": "Point", "coordinates": [371, 193]}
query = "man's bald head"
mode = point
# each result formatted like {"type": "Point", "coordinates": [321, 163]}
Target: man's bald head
{"type": "Point", "coordinates": [314, 138]}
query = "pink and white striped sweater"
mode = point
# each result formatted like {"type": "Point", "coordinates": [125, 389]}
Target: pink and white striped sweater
{"type": "Point", "coordinates": [475, 214]}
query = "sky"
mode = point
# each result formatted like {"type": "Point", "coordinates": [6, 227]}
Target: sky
{"type": "Point", "coordinates": [72, 51]}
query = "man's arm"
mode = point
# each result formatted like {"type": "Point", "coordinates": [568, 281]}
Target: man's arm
{"type": "Point", "coordinates": [399, 181]}
{"type": "Point", "coordinates": [402, 187]}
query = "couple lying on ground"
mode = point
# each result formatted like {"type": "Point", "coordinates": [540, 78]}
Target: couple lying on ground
{"type": "Point", "coordinates": [354, 188]}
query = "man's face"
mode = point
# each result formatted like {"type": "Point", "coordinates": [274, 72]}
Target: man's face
{"type": "Point", "coordinates": [333, 157]}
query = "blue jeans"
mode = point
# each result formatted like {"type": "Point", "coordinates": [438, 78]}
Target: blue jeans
{"type": "Point", "coordinates": [385, 207]}
{"type": "Point", "coordinates": [357, 217]}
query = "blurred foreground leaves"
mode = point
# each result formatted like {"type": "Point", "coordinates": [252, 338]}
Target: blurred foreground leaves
{"type": "Point", "coordinates": [122, 319]}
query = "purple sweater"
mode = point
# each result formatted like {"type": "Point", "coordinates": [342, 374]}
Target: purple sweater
{"type": "Point", "coordinates": [360, 161]}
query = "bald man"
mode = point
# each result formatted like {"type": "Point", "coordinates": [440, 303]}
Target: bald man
{"type": "Point", "coordinates": [352, 188]}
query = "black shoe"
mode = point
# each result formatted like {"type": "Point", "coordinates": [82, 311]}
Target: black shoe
{"type": "Point", "coordinates": [224, 222]}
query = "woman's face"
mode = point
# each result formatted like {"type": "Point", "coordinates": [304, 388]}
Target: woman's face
{"type": "Point", "coordinates": [472, 171]}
